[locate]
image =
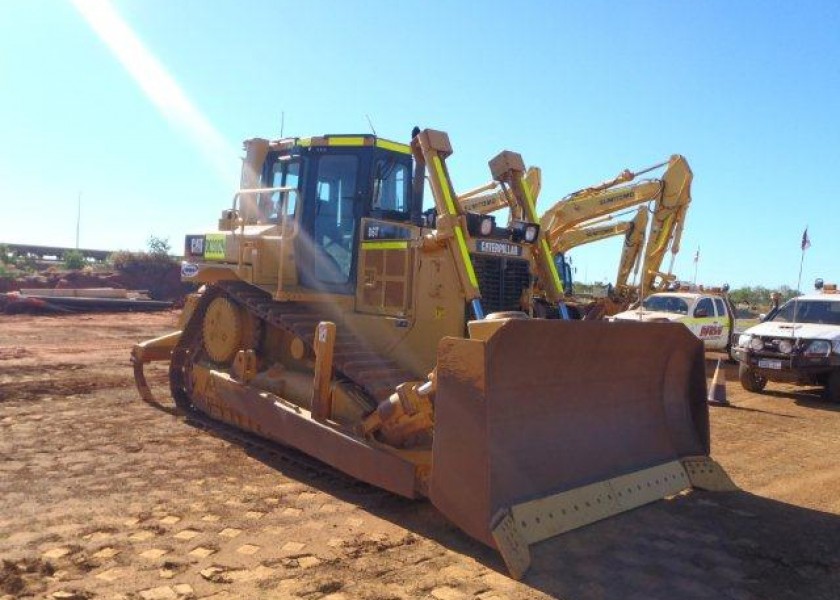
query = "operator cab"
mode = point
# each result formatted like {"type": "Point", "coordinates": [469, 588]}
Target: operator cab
{"type": "Point", "coordinates": [341, 180]}
{"type": "Point", "coordinates": [564, 269]}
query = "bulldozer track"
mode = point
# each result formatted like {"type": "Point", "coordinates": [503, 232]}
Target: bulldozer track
{"type": "Point", "coordinates": [353, 359]}
{"type": "Point", "coordinates": [350, 353]}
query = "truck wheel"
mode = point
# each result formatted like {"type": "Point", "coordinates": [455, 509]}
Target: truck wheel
{"type": "Point", "coordinates": [750, 379]}
{"type": "Point", "coordinates": [832, 388]}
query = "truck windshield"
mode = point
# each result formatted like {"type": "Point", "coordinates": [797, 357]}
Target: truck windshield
{"type": "Point", "coordinates": [671, 304]}
{"type": "Point", "coordinates": [822, 312]}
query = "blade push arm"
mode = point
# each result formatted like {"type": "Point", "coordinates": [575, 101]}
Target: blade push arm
{"type": "Point", "coordinates": [431, 148]}
{"type": "Point", "coordinates": [508, 169]}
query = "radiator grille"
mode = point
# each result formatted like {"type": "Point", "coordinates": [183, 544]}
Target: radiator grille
{"type": "Point", "coordinates": [501, 281]}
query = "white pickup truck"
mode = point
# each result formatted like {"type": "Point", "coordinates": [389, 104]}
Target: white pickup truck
{"type": "Point", "coordinates": [709, 315]}
{"type": "Point", "coordinates": [797, 343]}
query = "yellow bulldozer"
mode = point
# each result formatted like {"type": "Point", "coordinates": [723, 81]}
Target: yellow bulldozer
{"type": "Point", "coordinates": [338, 317]}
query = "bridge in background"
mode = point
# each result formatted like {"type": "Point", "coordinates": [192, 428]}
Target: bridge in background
{"type": "Point", "coordinates": [55, 252]}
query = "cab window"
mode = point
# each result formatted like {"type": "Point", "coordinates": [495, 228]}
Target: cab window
{"type": "Point", "coordinates": [704, 308]}
{"type": "Point", "coordinates": [284, 173]}
{"type": "Point", "coordinates": [390, 186]}
{"type": "Point", "coordinates": [671, 304]}
{"type": "Point", "coordinates": [335, 225]}
{"type": "Point", "coordinates": [819, 312]}
{"type": "Point", "coordinates": [721, 309]}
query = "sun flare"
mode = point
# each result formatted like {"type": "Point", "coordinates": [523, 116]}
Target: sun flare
{"type": "Point", "coordinates": [156, 83]}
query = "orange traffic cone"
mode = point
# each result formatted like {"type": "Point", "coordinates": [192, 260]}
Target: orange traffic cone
{"type": "Point", "coordinates": [717, 393]}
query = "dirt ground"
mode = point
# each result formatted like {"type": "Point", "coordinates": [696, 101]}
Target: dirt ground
{"type": "Point", "coordinates": [104, 496]}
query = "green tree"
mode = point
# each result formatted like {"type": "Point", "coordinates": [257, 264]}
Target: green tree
{"type": "Point", "coordinates": [73, 259]}
{"type": "Point", "coordinates": [158, 246]}
{"type": "Point", "coordinates": [788, 292]}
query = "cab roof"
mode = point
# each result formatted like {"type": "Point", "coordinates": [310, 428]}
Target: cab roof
{"type": "Point", "coordinates": [824, 296]}
{"type": "Point", "coordinates": [340, 140]}
{"type": "Point", "coordinates": [683, 295]}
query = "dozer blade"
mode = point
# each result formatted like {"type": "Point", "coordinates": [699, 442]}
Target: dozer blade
{"type": "Point", "coordinates": [546, 426]}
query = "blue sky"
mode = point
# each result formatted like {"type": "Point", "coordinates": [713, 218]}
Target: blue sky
{"type": "Point", "coordinates": [749, 92]}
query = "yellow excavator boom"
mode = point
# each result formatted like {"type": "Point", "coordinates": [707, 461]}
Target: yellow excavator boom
{"type": "Point", "coordinates": [491, 197]}
{"type": "Point", "coordinates": [580, 236]}
{"type": "Point", "coordinates": [669, 195]}
{"type": "Point", "coordinates": [668, 221]}
{"type": "Point", "coordinates": [631, 253]}
{"type": "Point", "coordinates": [634, 232]}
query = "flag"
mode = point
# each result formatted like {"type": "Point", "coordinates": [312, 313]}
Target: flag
{"type": "Point", "coordinates": [697, 256]}
{"type": "Point", "coordinates": [806, 243]}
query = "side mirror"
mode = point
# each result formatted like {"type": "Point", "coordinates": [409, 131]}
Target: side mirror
{"type": "Point", "coordinates": [701, 312]}
{"type": "Point", "coordinates": [762, 316]}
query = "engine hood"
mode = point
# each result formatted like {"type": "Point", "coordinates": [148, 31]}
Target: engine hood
{"type": "Point", "coordinates": [810, 331]}
{"type": "Point", "coordinates": [647, 316]}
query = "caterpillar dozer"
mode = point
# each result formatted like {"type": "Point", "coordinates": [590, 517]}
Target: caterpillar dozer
{"type": "Point", "coordinates": [339, 318]}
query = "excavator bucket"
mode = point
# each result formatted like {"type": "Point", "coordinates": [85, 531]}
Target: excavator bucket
{"type": "Point", "coordinates": [546, 426]}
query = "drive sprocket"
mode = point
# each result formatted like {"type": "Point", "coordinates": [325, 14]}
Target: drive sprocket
{"type": "Point", "coordinates": [222, 330]}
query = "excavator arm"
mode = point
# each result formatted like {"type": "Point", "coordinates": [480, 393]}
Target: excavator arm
{"type": "Point", "coordinates": [580, 236]}
{"type": "Point", "coordinates": [634, 241]}
{"type": "Point", "coordinates": [491, 197]}
{"type": "Point", "coordinates": [598, 201]}
{"type": "Point", "coordinates": [667, 226]}
{"type": "Point", "coordinates": [670, 195]}
{"type": "Point", "coordinates": [634, 232]}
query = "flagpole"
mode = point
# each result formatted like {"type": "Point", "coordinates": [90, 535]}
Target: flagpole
{"type": "Point", "coordinates": [696, 262]}
{"type": "Point", "coordinates": [78, 217]}
{"type": "Point", "coordinates": [804, 246]}
{"type": "Point", "coordinates": [798, 283]}
{"type": "Point", "coordinates": [799, 279]}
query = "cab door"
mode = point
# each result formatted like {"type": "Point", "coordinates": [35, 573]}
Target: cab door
{"type": "Point", "coordinates": [327, 244]}
{"type": "Point", "coordinates": [387, 255]}
{"type": "Point", "coordinates": [706, 325]}
{"type": "Point", "coordinates": [725, 323]}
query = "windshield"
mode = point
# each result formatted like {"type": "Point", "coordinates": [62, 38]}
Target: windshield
{"type": "Point", "coordinates": [671, 304]}
{"type": "Point", "coordinates": [823, 312]}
